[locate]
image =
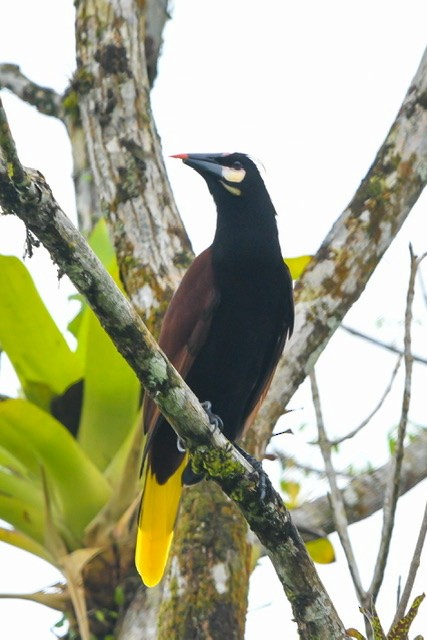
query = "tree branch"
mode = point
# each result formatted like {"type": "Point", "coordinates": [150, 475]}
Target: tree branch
{"type": "Point", "coordinates": [365, 421]}
{"type": "Point", "coordinates": [31, 199]}
{"type": "Point", "coordinates": [415, 563]}
{"type": "Point", "coordinates": [392, 488]}
{"type": "Point", "coordinates": [364, 495]}
{"type": "Point", "coordinates": [337, 502]}
{"type": "Point", "coordinates": [339, 271]}
{"type": "Point", "coordinates": [157, 15]}
{"type": "Point", "coordinates": [380, 343]}
{"type": "Point", "coordinates": [46, 100]}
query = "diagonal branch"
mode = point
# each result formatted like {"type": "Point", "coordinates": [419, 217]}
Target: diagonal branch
{"type": "Point", "coordinates": [31, 199]}
{"type": "Point", "coordinates": [364, 495]}
{"type": "Point", "coordinates": [339, 271]}
{"type": "Point", "coordinates": [380, 343]}
{"type": "Point", "coordinates": [337, 502]}
{"type": "Point", "coordinates": [366, 421]}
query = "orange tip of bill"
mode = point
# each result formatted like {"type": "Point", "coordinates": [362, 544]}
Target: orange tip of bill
{"type": "Point", "coordinates": [180, 156]}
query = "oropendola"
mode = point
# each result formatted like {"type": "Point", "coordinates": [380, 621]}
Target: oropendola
{"type": "Point", "coordinates": [224, 331]}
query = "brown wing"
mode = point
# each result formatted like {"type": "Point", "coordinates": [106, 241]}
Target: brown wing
{"type": "Point", "coordinates": [186, 323]}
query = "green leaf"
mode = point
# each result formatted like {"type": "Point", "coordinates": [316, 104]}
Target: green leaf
{"type": "Point", "coordinates": [111, 394]}
{"type": "Point", "coordinates": [42, 443]}
{"type": "Point", "coordinates": [23, 516]}
{"type": "Point", "coordinates": [321, 551]}
{"type": "Point", "coordinates": [11, 463]}
{"type": "Point", "coordinates": [297, 265]}
{"type": "Point", "coordinates": [21, 488]}
{"type": "Point", "coordinates": [100, 242]}
{"type": "Point", "coordinates": [111, 390]}
{"type": "Point", "coordinates": [38, 351]}
{"type": "Point", "coordinates": [124, 476]}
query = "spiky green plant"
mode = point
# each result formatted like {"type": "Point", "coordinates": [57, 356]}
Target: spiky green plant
{"type": "Point", "coordinates": [69, 448]}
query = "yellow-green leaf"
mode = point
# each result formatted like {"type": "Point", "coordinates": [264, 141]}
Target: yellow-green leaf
{"type": "Point", "coordinates": [297, 265]}
{"type": "Point", "coordinates": [21, 488]}
{"type": "Point", "coordinates": [321, 551]}
{"type": "Point", "coordinates": [292, 490]}
{"type": "Point", "coordinates": [21, 541]}
{"type": "Point", "coordinates": [111, 394]}
{"type": "Point", "coordinates": [11, 463]}
{"type": "Point", "coordinates": [100, 242]}
{"type": "Point", "coordinates": [23, 516]}
{"type": "Point", "coordinates": [354, 633]}
{"type": "Point", "coordinates": [38, 351]}
{"type": "Point", "coordinates": [42, 443]}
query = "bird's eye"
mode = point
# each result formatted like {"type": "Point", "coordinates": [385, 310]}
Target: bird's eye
{"type": "Point", "coordinates": [234, 173]}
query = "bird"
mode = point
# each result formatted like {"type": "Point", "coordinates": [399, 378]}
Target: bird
{"type": "Point", "coordinates": [224, 331]}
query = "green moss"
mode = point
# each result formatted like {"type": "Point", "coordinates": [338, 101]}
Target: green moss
{"type": "Point", "coordinates": [215, 462]}
{"type": "Point", "coordinates": [128, 186]}
{"type": "Point", "coordinates": [83, 81]}
{"type": "Point", "coordinates": [375, 187]}
{"type": "Point", "coordinates": [70, 105]}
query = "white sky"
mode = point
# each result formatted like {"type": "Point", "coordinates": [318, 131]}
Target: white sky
{"type": "Point", "coordinates": [310, 88]}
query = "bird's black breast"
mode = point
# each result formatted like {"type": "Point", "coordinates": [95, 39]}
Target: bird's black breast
{"type": "Point", "coordinates": [246, 337]}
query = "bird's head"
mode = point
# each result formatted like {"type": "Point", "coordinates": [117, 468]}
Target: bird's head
{"type": "Point", "coordinates": [234, 174]}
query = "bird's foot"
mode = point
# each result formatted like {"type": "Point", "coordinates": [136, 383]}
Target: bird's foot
{"type": "Point", "coordinates": [265, 488]}
{"type": "Point", "coordinates": [214, 420]}
{"type": "Point", "coordinates": [189, 477]}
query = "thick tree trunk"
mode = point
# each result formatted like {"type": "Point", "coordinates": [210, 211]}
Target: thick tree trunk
{"type": "Point", "coordinates": [153, 251]}
{"type": "Point", "coordinates": [112, 88]}
{"type": "Point", "coordinates": [207, 586]}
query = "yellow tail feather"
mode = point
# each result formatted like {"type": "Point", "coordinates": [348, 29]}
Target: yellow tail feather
{"type": "Point", "coordinates": [156, 524]}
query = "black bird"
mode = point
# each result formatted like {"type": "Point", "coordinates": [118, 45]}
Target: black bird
{"type": "Point", "coordinates": [224, 331]}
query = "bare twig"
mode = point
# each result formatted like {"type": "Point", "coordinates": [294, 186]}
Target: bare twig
{"type": "Point", "coordinates": [46, 100]}
{"type": "Point", "coordinates": [337, 503]}
{"type": "Point", "coordinates": [364, 495]}
{"type": "Point", "coordinates": [415, 563]}
{"type": "Point", "coordinates": [392, 490]}
{"type": "Point", "coordinates": [380, 343]}
{"type": "Point", "coordinates": [366, 421]}
{"type": "Point", "coordinates": [289, 462]}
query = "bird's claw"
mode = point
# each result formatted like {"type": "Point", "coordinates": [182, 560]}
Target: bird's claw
{"type": "Point", "coordinates": [214, 420]}
{"type": "Point", "coordinates": [180, 445]}
{"type": "Point", "coordinates": [265, 488]}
